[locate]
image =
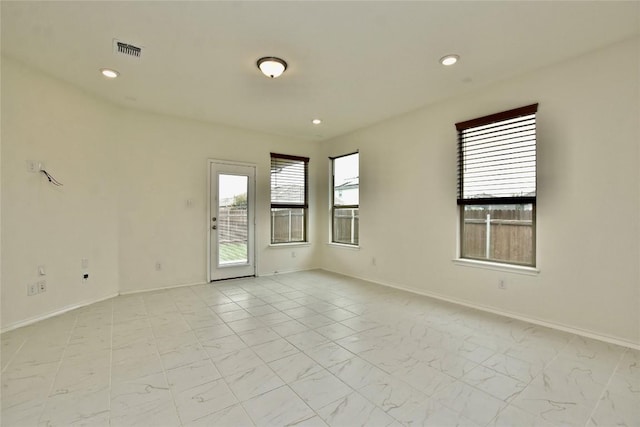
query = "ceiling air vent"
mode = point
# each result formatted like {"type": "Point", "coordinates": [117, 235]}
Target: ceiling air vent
{"type": "Point", "coordinates": [126, 49]}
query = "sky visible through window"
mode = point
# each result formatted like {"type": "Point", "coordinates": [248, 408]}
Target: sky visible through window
{"type": "Point", "coordinates": [346, 169]}
{"type": "Point", "coordinates": [231, 186]}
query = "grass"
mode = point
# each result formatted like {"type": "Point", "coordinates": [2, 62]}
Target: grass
{"type": "Point", "coordinates": [233, 252]}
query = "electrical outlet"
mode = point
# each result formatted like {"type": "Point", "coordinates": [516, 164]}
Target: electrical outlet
{"type": "Point", "coordinates": [84, 263]}
{"type": "Point", "coordinates": [32, 289]}
{"type": "Point", "coordinates": [158, 266]}
{"type": "Point", "coordinates": [42, 286]}
{"type": "Point", "coordinates": [502, 284]}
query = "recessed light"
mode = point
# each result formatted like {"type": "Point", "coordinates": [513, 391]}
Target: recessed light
{"type": "Point", "coordinates": [109, 73]}
{"type": "Point", "coordinates": [449, 60]}
{"type": "Point", "coordinates": [316, 121]}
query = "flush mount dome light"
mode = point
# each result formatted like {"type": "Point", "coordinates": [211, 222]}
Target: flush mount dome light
{"type": "Point", "coordinates": [271, 66]}
{"type": "Point", "coordinates": [109, 73]}
{"type": "Point", "coordinates": [449, 59]}
{"type": "Point", "coordinates": [316, 121]}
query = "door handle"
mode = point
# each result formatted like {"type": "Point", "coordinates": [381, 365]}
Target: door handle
{"type": "Point", "coordinates": [213, 219]}
{"type": "Point", "coordinates": [214, 227]}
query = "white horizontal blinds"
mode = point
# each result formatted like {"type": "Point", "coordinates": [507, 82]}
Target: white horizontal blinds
{"type": "Point", "coordinates": [497, 158]}
{"type": "Point", "coordinates": [500, 159]}
{"type": "Point", "coordinates": [289, 181]}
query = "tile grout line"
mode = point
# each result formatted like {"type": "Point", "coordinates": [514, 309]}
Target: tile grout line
{"type": "Point", "coordinates": [513, 397]}
{"type": "Point", "coordinates": [239, 402]}
{"type": "Point", "coordinates": [304, 291]}
{"type": "Point", "coordinates": [606, 387]}
{"type": "Point", "coordinates": [507, 403]}
{"type": "Point", "coordinates": [15, 354]}
{"type": "Point", "coordinates": [285, 384]}
{"type": "Point", "coordinates": [325, 369]}
{"type": "Point", "coordinates": [353, 390]}
{"type": "Point", "coordinates": [574, 336]}
{"type": "Point", "coordinates": [331, 340]}
{"type": "Point", "coordinates": [164, 372]}
{"type": "Point", "coordinates": [53, 383]}
{"type": "Point", "coordinates": [461, 380]}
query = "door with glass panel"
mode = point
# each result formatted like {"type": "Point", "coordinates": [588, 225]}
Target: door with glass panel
{"type": "Point", "coordinates": [231, 220]}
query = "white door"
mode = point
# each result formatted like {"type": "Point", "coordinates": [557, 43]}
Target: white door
{"type": "Point", "coordinates": [231, 220]}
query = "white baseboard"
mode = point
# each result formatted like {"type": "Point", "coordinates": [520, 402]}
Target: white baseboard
{"type": "Point", "coordinates": [535, 321]}
{"type": "Point", "coordinates": [279, 272]}
{"type": "Point", "coordinates": [553, 325]}
{"type": "Point", "coordinates": [160, 288]}
{"type": "Point", "coordinates": [54, 313]}
{"type": "Point", "coordinates": [65, 309]}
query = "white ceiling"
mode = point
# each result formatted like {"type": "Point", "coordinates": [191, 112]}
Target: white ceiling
{"type": "Point", "coordinates": [350, 63]}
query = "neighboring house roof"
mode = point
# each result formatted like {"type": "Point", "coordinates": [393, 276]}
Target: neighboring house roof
{"type": "Point", "coordinates": [347, 192]}
{"type": "Point", "coordinates": [349, 183]}
{"type": "Point", "coordinates": [288, 193]}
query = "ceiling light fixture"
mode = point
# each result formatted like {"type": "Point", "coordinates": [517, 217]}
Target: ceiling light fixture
{"type": "Point", "coordinates": [316, 121]}
{"type": "Point", "coordinates": [109, 73]}
{"type": "Point", "coordinates": [271, 66]}
{"type": "Point", "coordinates": [449, 60]}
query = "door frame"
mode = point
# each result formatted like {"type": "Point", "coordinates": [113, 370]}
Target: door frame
{"type": "Point", "coordinates": [252, 202]}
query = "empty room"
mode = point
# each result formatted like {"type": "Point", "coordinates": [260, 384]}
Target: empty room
{"type": "Point", "coordinates": [182, 242]}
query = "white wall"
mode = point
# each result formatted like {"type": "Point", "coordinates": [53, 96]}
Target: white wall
{"type": "Point", "coordinates": [588, 198]}
{"type": "Point", "coordinates": [127, 176]}
{"type": "Point", "coordinates": [49, 121]}
{"type": "Point", "coordinates": [163, 164]}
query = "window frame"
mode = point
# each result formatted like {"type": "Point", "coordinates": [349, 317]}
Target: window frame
{"type": "Point", "coordinates": [333, 201]}
{"type": "Point", "coordinates": [463, 202]}
{"type": "Point", "coordinates": [279, 205]}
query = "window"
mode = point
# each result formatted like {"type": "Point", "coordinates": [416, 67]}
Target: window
{"type": "Point", "coordinates": [497, 187]}
{"type": "Point", "coordinates": [346, 199]}
{"type": "Point", "coordinates": [289, 198]}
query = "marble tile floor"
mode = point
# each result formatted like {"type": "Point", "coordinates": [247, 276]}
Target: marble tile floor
{"type": "Point", "coordinates": [307, 349]}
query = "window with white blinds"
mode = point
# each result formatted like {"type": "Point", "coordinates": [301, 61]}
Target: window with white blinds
{"type": "Point", "coordinates": [497, 187]}
{"type": "Point", "coordinates": [497, 157]}
{"type": "Point", "coordinates": [289, 198]}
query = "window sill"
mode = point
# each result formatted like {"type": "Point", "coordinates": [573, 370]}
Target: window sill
{"type": "Point", "coordinates": [487, 265]}
{"type": "Point", "coordinates": [288, 245]}
{"type": "Point", "coordinates": [344, 246]}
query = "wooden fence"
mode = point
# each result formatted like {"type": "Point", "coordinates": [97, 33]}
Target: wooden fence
{"type": "Point", "coordinates": [232, 224]}
{"type": "Point", "coordinates": [287, 225]}
{"type": "Point", "coordinates": [500, 235]}
{"type": "Point", "coordinates": [346, 227]}
{"type": "Point", "coordinates": [507, 236]}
